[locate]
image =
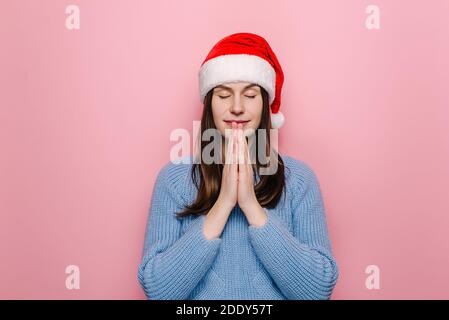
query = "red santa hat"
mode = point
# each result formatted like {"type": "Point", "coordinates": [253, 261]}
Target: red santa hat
{"type": "Point", "coordinates": [244, 57]}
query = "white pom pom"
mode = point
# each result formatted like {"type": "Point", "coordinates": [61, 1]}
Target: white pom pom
{"type": "Point", "coordinates": [277, 120]}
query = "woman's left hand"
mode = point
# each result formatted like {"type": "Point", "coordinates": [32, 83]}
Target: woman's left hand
{"type": "Point", "coordinates": [246, 196]}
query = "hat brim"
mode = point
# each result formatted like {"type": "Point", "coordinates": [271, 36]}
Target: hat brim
{"type": "Point", "coordinates": [237, 67]}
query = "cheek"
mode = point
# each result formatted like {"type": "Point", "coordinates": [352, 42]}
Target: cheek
{"type": "Point", "coordinates": [218, 107]}
{"type": "Point", "coordinates": [218, 114]}
{"type": "Point", "coordinates": [255, 107]}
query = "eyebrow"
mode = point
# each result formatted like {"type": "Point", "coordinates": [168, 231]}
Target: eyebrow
{"type": "Point", "coordinates": [228, 88]}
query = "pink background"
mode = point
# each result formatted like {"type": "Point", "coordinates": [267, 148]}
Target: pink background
{"type": "Point", "coordinates": [86, 115]}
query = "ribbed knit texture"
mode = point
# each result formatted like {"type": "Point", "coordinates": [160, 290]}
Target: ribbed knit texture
{"type": "Point", "coordinates": [289, 257]}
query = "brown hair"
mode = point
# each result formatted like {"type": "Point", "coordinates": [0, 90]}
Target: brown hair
{"type": "Point", "coordinates": [269, 188]}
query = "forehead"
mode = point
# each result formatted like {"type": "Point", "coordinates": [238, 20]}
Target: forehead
{"type": "Point", "coordinates": [237, 86]}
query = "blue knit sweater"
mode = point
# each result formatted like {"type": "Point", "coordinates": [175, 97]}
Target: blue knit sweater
{"type": "Point", "coordinates": [289, 257]}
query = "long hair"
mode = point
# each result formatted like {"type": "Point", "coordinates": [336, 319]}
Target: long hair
{"type": "Point", "coordinates": [207, 177]}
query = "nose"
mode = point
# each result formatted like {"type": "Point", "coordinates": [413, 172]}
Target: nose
{"type": "Point", "coordinates": [237, 106]}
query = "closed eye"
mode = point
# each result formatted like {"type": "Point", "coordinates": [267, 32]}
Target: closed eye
{"type": "Point", "coordinates": [224, 97]}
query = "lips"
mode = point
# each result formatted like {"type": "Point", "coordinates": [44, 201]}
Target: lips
{"type": "Point", "coordinates": [236, 121]}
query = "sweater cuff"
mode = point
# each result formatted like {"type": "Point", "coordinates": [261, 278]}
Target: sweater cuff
{"type": "Point", "coordinates": [177, 270]}
{"type": "Point", "coordinates": [273, 222]}
{"type": "Point", "coordinates": [196, 230]}
{"type": "Point", "coordinates": [271, 239]}
{"type": "Point", "coordinates": [200, 250]}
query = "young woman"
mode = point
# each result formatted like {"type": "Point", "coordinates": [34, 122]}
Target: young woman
{"type": "Point", "coordinates": [227, 229]}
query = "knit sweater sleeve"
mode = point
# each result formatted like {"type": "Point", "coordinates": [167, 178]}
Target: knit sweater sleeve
{"type": "Point", "coordinates": [172, 264]}
{"type": "Point", "coordinates": [300, 262]}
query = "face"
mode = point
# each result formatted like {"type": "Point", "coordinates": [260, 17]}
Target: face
{"type": "Point", "coordinates": [239, 102]}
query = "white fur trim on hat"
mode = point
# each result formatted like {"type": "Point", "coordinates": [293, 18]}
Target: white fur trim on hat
{"type": "Point", "coordinates": [277, 120]}
{"type": "Point", "coordinates": [234, 68]}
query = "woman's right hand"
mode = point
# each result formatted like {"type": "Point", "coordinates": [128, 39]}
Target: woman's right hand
{"type": "Point", "coordinates": [218, 215]}
{"type": "Point", "coordinates": [229, 177]}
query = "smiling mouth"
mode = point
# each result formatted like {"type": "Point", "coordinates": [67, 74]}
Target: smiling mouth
{"type": "Point", "coordinates": [236, 121]}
